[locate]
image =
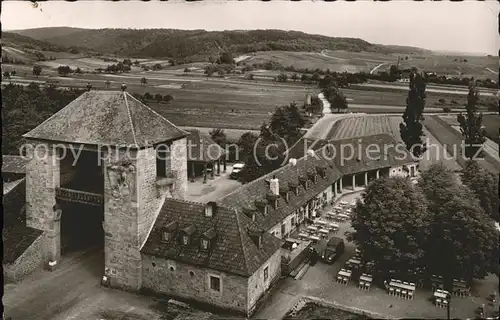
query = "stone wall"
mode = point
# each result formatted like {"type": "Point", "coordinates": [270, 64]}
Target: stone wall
{"type": "Point", "coordinates": [42, 177]}
{"type": "Point", "coordinates": [28, 262]}
{"type": "Point", "coordinates": [257, 285]}
{"type": "Point", "coordinates": [121, 223]}
{"type": "Point", "coordinates": [178, 164]}
{"type": "Point", "coordinates": [189, 282]}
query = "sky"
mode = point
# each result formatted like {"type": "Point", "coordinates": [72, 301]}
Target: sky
{"type": "Point", "coordinates": [469, 26]}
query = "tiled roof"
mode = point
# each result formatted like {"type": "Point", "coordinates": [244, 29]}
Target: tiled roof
{"type": "Point", "coordinates": [233, 251]}
{"type": "Point", "coordinates": [202, 148]}
{"type": "Point", "coordinates": [17, 237]}
{"type": "Point", "coordinates": [13, 164]}
{"type": "Point", "coordinates": [249, 195]}
{"type": "Point", "coordinates": [107, 118]}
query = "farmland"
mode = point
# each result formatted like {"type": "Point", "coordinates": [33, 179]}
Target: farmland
{"type": "Point", "coordinates": [358, 126]}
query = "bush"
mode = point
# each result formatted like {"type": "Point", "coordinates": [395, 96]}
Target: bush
{"type": "Point", "coordinates": [447, 109]}
{"type": "Point", "coordinates": [442, 101]}
{"type": "Point", "coordinates": [453, 101]}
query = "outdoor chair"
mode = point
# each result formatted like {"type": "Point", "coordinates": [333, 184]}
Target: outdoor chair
{"type": "Point", "coordinates": [403, 294]}
{"type": "Point", "coordinates": [410, 295]}
{"type": "Point", "coordinates": [398, 292]}
{"type": "Point", "coordinates": [361, 284]}
{"type": "Point", "coordinates": [444, 303]}
{"type": "Point", "coordinates": [438, 302]}
{"type": "Point", "coordinates": [391, 291]}
{"type": "Point", "coordinates": [339, 279]}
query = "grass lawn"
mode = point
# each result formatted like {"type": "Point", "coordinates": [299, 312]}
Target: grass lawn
{"type": "Point", "coordinates": [492, 124]}
{"type": "Point", "coordinates": [314, 311]}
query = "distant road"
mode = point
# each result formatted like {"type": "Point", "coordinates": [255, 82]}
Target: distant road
{"type": "Point", "coordinates": [495, 72]}
{"type": "Point", "coordinates": [375, 69]}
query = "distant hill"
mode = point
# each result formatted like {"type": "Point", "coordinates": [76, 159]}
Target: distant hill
{"type": "Point", "coordinates": [24, 42]}
{"type": "Point", "coordinates": [46, 33]}
{"type": "Point", "coordinates": [194, 44]}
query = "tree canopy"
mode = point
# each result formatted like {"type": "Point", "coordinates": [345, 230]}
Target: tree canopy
{"type": "Point", "coordinates": [471, 125]}
{"type": "Point", "coordinates": [411, 128]}
{"type": "Point", "coordinates": [392, 225]}
{"type": "Point", "coordinates": [336, 98]}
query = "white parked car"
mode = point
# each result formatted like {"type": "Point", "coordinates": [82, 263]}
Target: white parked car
{"type": "Point", "coordinates": [237, 167]}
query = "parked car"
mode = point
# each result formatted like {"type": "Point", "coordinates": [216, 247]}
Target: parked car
{"type": "Point", "coordinates": [237, 168]}
{"type": "Point", "coordinates": [334, 249]}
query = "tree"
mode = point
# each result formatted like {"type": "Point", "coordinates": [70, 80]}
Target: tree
{"type": "Point", "coordinates": [246, 144]}
{"type": "Point", "coordinates": [64, 70]}
{"type": "Point", "coordinates": [219, 137]}
{"type": "Point", "coordinates": [471, 125]}
{"type": "Point", "coordinates": [167, 98]}
{"type": "Point", "coordinates": [394, 71]}
{"type": "Point", "coordinates": [13, 73]}
{"type": "Point", "coordinates": [6, 74]}
{"type": "Point", "coordinates": [220, 73]}
{"type": "Point", "coordinates": [327, 81]}
{"type": "Point", "coordinates": [158, 97]}
{"type": "Point", "coordinates": [304, 78]}
{"type": "Point", "coordinates": [336, 98]}
{"type": "Point", "coordinates": [287, 122]}
{"type": "Point", "coordinates": [78, 70]}
{"type": "Point", "coordinates": [294, 77]}
{"type": "Point", "coordinates": [137, 63]}
{"type": "Point", "coordinates": [463, 241]}
{"type": "Point", "coordinates": [484, 185]}
{"type": "Point", "coordinates": [186, 70]}
{"type": "Point", "coordinates": [225, 58]}
{"type": "Point", "coordinates": [37, 70]}
{"type": "Point", "coordinates": [315, 77]}
{"type": "Point", "coordinates": [250, 76]}
{"type": "Point", "coordinates": [412, 129]}
{"type": "Point", "coordinates": [144, 81]}
{"type": "Point", "coordinates": [211, 59]}
{"type": "Point", "coordinates": [107, 83]}
{"type": "Point", "coordinates": [282, 77]}
{"type": "Point", "coordinates": [392, 226]}
{"type": "Point", "coordinates": [147, 96]}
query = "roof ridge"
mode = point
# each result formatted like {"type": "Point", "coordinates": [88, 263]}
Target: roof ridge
{"type": "Point", "coordinates": [159, 115]}
{"type": "Point", "coordinates": [130, 117]}
{"type": "Point", "coordinates": [240, 231]}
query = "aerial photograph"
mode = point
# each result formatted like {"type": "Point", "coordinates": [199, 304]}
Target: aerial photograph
{"type": "Point", "coordinates": [196, 160]}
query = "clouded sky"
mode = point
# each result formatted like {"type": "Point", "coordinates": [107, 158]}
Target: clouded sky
{"type": "Point", "coordinates": [461, 26]}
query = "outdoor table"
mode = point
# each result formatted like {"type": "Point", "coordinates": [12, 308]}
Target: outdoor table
{"type": "Point", "coordinates": [320, 222]}
{"type": "Point", "coordinates": [343, 202]}
{"type": "Point", "coordinates": [313, 238]}
{"type": "Point", "coordinates": [344, 273]}
{"type": "Point", "coordinates": [365, 278]}
{"type": "Point", "coordinates": [402, 285]}
{"type": "Point", "coordinates": [333, 225]}
{"type": "Point", "coordinates": [342, 216]}
{"type": "Point", "coordinates": [303, 236]}
{"type": "Point", "coordinates": [324, 231]}
{"type": "Point", "coordinates": [354, 261]}
{"type": "Point", "coordinates": [440, 294]}
{"type": "Point", "coordinates": [312, 228]}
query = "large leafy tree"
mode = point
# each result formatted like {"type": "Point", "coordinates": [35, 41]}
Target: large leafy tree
{"type": "Point", "coordinates": [411, 128]}
{"type": "Point", "coordinates": [218, 136]}
{"type": "Point", "coordinates": [484, 184]}
{"type": "Point", "coordinates": [392, 225]}
{"type": "Point", "coordinates": [287, 123]}
{"type": "Point", "coordinates": [471, 124]}
{"type": "Point", "coordinates": [336, 98]}
{"type": "Point", "coordinates": [463, 242]}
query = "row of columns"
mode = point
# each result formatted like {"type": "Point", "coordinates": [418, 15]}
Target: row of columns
{"type": "Point", "coordinates": [337, 186]}
{"type": "Point", "coordinates": [205, 167]}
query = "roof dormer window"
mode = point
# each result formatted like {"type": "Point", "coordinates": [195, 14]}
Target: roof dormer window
{"type": "Point", "coordinates": [204, 244]}
{"type": "Point", "coordinates": [167, 232]}
{"type": "Point", "coordinates": [210, 209]}
{"type": "Point", "coordinates": [187, 234]}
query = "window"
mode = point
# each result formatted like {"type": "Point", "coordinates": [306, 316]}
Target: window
{"type": "Point", "coordinates": [166, 236]}
{"type": "Point", "coordinates": [266, 273]}
{"type": "Point", "coordinates": [215, 283]}
{"type": "Point", "coordinates": [283, 229]}
{"type": "Point", "coordinates": [287, 196]}
{"type": "Point", "coordinates": [185, 240]}
{"type": "Point", "coordinates": [293, 221]}
{"type": "Point", "coordinates": [265, 210]}
{"type": "Point", "coordinates": [162, 157]}
{"type": "Point", "coordinates": [204, 244]}
{"type": "Point", "coordinates": [208, 211]}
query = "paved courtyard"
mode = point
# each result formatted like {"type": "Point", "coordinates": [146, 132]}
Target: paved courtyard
{"type": "Point", "coordinates": [214, 189]}
{"type": "Point", "coordinates": [319, 281]}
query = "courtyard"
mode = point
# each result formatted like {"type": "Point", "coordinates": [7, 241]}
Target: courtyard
{"type": "Point", "coordinates": [213, 189]}
{"type": "Point", "coordinates": [319, 283]}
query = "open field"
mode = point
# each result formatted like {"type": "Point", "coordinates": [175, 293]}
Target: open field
{"type": "Point", "coordinates": [490, 121]}
{"type": "Point", "coordinates": [352, 127]}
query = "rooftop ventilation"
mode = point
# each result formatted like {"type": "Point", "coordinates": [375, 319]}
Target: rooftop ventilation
{"type": "Point", "coordinates": [293, 162]}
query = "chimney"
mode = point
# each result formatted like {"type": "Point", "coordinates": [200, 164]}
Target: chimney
{"type": "Point", "coordinates": [124, 86]}
{"type": "Point", "coordinates": [293, 162]}
{"type": "Point", "coordinates": [274, 185]}
{"type": "Point", "coordinates": [308, 99]}
{"type": "Point", "coordinates": [311, 153]}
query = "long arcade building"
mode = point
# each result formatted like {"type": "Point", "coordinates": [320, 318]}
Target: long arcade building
{"type": "Point", "coordinates": [225, 253]}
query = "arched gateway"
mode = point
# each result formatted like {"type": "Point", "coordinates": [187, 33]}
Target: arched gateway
{"type": "Point", "coordinates": [92, 178]}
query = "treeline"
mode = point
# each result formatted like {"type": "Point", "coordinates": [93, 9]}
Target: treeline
{"type": "Point", "coordinates": [148, 97]}
{"type": "Point", "coordinates": [24, 108]}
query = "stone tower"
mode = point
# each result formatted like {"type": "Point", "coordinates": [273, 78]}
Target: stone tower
{"type": "Point", "coordinates": [124, 135]}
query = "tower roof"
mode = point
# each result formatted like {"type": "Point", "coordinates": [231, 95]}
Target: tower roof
{"type": "Point", "coordinates": [112, 118]}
